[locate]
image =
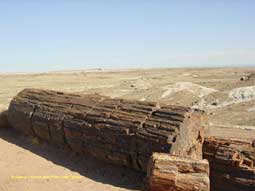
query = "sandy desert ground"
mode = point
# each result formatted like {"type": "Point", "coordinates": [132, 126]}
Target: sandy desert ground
{"type": "Point", "coordinates": [228, 101]}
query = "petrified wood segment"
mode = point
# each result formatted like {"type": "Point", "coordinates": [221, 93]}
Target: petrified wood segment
{"type": "Point", "coordinates": [231, 164]}
{"type": "Point", "coordinates": [116, 130]}
{"type": "Point", "coordinates": [166, 172]}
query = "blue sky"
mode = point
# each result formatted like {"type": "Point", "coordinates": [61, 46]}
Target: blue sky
{"type": "Point", "coordinates": [37, 36]}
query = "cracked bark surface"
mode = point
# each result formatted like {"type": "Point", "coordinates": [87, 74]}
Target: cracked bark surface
{"type": "Point", "coordinates": [231, 164]}
{"type": "Point", "coordinates": [119, 131]}
{"type": "Point", "coordinates": [174, 173]}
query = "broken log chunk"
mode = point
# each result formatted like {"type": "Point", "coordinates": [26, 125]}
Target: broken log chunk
{"type": "Point", "coordinates": [167, 172]}
{"type": "Point", "coordinates": [120, 131]}
{"type": "Point", "coordinates": [231, 164]}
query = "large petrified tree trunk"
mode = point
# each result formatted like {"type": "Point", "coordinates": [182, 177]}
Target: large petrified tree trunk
{"type": "Point", "coordinates": [231, 164]}
{"type": "Point", "coordinates": [115, 130]}
{"type": "Point", "coordinates": [172, 173]}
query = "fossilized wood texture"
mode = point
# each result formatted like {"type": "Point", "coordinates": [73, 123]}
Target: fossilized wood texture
{"type": "Point", "coordinates": [3, 120]}
{"type": "Point", "coordinates": [231, 164]}
{"type": "Point", "coordinates": [172, 173]}
{"type": "Point", "coordinates": [116, 130]}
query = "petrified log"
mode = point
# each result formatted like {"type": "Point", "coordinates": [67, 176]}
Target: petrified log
{"type": "Point", "coordinates": [166, 172]}
{"type": "Point", "coordinates": [116, 130]}
{"type": "Point", "coordinates": [231, 164]}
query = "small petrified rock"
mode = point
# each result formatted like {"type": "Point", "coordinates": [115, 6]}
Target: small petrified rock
{"type": "Point", "coordinates": [172, 173]}
{"type": "Point", "coordinates": [244, 78]}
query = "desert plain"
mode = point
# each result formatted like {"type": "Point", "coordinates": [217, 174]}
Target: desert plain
{"type": "Point", "coordinates": [227, 95]}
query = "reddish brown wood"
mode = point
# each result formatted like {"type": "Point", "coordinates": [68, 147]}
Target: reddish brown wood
{"type": "Point", "coordinates": [231, 164]}
{"type": "Point", "coordinates": [119, 131]}
{"type": "Point", "coordinates": [172, 173]}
